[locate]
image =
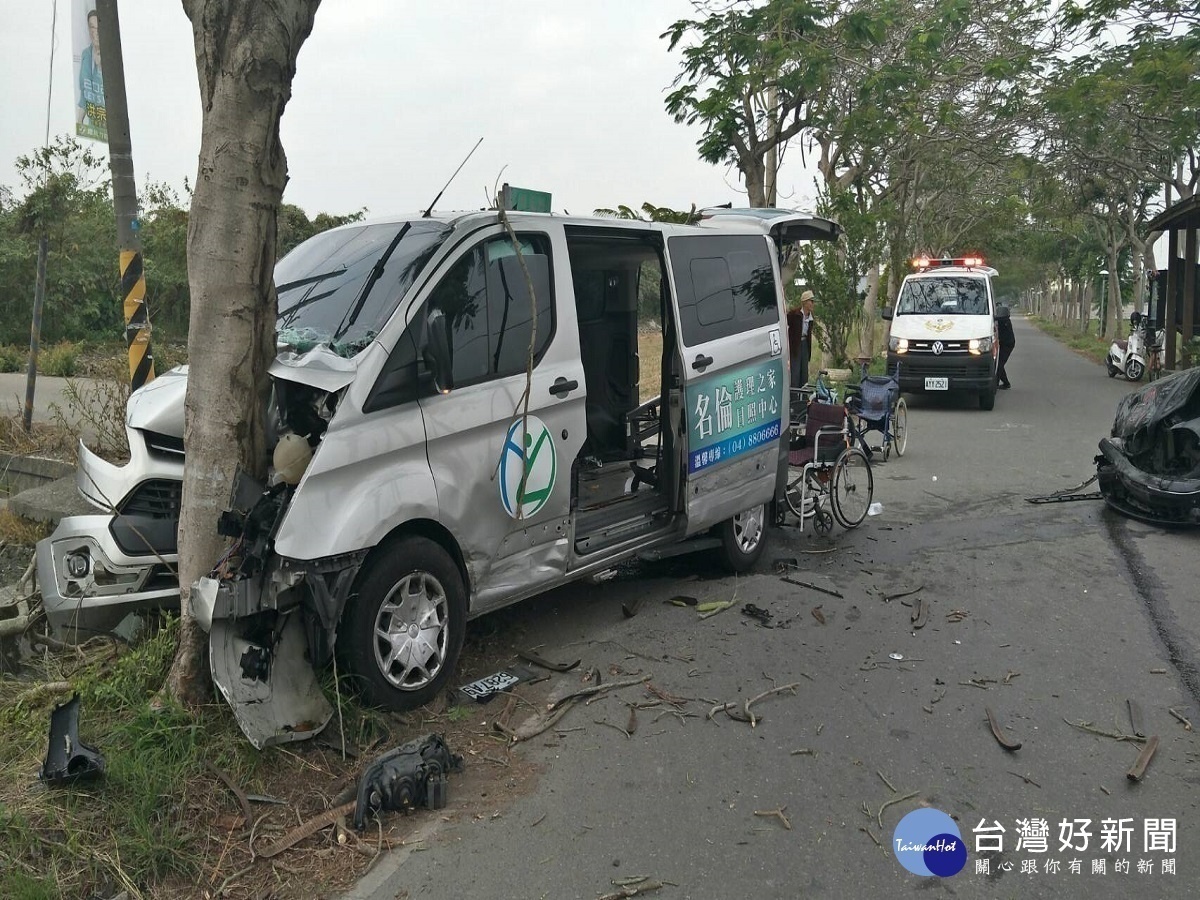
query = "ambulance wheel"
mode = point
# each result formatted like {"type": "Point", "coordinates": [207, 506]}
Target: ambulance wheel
{"type": "Point", "coordinates": [987, 399]}
{"type": "Point", "coordinates": [403, 628]}
{"type": "Point", "coordinates": [743, 538]}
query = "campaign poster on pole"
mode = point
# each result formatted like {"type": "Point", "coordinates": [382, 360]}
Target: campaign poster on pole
{"type": "Point", "coordinates": [90, 119]}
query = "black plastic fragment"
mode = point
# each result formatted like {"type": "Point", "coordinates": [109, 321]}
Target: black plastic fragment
{"type": "Point", "coordinates": [67, 759]}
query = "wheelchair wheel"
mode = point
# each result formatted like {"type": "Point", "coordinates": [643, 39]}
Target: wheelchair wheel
{"type": "Point", "coordinates": [795, 489]}
{"type": "Point", "coordinates": [900, 427]}
{"type": "Point", "coordinates": [822, 521]}
{"type": "Point", "coordinates": [852, 489]}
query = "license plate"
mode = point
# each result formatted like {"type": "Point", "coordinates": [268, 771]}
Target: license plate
{"type": "Point", "coordinates": [485, 688]}
{"type": "Point", "coordinates": [937, 384]}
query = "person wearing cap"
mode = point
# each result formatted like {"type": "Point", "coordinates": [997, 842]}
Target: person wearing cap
{"type": "Point", "coordinates": [800, 335]}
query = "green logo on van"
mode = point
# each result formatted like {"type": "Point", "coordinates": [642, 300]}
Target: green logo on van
{"type": "Point", "coordinates": [528, 466]}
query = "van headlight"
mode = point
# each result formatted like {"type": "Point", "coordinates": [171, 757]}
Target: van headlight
{"type": "Point", "coordinates": [979, 346]}
{"type": "Point", "coordinates": [898, 344]}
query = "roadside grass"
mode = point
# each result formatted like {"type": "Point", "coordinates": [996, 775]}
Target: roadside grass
{"type": "Point", "coordinates": [1085, 343]}
{"type": "Point", "coordinates": [17, 530]}
{"type": "Point", "coordinates": [162, 823]}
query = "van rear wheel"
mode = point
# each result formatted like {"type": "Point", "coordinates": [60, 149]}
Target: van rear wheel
{"type": "Point", "coordinates": [403, 628]}
{"type": "Point", "coordinates": [743, 538]}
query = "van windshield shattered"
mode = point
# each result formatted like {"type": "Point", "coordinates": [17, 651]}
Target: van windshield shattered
{"type": "Point", "coordinates": [321, 283]}
{"type": "Point", "coordinates": [948, 295]}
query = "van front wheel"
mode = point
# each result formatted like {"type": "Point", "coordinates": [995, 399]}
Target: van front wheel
{"type": "Point", "coordinates": [403, 628]}
{"type": "Point", "coordinates": [743, 538]}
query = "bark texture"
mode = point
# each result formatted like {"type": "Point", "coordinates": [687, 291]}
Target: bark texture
{"type": "Point", "coordinates": [245, 60]}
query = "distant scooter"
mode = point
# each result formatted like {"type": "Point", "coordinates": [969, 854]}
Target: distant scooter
{"type": "Point", "coordinates": [1129, 357]}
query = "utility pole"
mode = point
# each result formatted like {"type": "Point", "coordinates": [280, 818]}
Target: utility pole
{"type": "Point", "coordinates": [120, 161]}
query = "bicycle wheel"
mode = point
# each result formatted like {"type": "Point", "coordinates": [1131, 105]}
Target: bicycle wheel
{"type": "Point", "coordinates": [900, 427]}
{"type": "Point", "coordinates": [853, 486]}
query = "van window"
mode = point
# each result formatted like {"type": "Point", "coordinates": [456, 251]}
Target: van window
{"type": "Point", "coordinates": [725, 285]}
{"type": "Point", "coordinates": [485, 299]}
{"type": "Point", "coordinates": [949, 295]}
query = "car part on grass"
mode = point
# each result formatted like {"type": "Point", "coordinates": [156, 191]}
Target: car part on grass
{"type": "Point", "coordinates": [268, 680]}
{"type": "Point", "coordinates": [68, 759]}
{"type": "Point", "coordinates": [412, 775]}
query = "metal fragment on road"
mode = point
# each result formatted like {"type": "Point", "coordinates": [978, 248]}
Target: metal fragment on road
{"type": "Point", "coordinates": [896, 656]}
{"type": "Point", "coordinates": [998, 733]}
{"type": "Point", "coordinates": [1139, 767]}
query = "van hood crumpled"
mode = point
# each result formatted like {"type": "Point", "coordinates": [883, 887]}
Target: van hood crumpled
{"type": "Point", "coordinates": [159, 406]}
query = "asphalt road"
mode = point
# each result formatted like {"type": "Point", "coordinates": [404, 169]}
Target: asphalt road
{"type": "Point", "coordinates": [1055, 612]}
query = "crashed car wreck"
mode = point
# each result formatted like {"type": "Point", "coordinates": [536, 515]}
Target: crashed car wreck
{"type": "Point", "coordinates": [1149, 468]}
{"type": "Point", "coordinates": [457, 422]}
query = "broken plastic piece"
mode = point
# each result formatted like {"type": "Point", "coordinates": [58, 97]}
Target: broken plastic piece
{"type": "Point", "coordinates": [68, 760]}
{"type": "Point", "coordinates": [412, 775]}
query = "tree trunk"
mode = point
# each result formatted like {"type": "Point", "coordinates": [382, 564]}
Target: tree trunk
{"type": "Point", "coordinates": [245, 59]}
{"type": "Point", "coordinates": [866, 334]}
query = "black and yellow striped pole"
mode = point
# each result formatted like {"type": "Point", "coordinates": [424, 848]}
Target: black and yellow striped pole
{"type": "Point", "coordinates": [120, 161]}
{"type": "Point", "coordinates": [137, 318]}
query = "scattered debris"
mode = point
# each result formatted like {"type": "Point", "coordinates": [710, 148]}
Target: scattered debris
{"type": "Point", "coordinates": [1135, 718]}
{"type": "Point", "coordinates": [414, 774]}
{"type": "Point", "coordinates": [998, 733]}
{"type": "Point", "coordinates": [896, 656]}
{"type": "Point", "coordinates": [888, 598]}
{"type": "Point", "coordinates": [893, 802]}
{"type": "Point", "coordinates": [920, 614]}
{"type": "Point", "coordinates": [938, 698]}
{"type": "Point", "coordinates": [805, 751]}
{"type": "Point", "coordinates": [1010, 676]}
{"type": "Point", "coordinates": [632, 890]}
{"type": "Point", "coordinates": [875, 509]}
{"type": "Point", "coordinates": [1187, 726]}
{"type": "Point", "coordinates": [763, 616]}
{"type": "Point", "coordinates": [237, 792]}
{"type": "Point", "coordinates": [784, 564]}
{"type": "Point", "coordinates": [818, 615]}
{"type": "Point", "coordinates": [956, 615]}
{"type": "Point", "coordinates": [743, 713]}
{"type": "Point", "coordinates": [1115, 735]}
{"type": "Point", "coordinates": [683, 600]}
{"type": "Point", "coordinates": [883, 778]}
{"type": "Point", "coordinates": [611, 725]}
{"type": "Point", "coordinates": [300, 832]}
{"type": "Point", "coordinates": [1026, 779]}
{"type": "Point", "coordinates": [776, 813]}
{"type": "Point", "coordinates": [707, 610]}
{"type": "Point", "coordinates": [871, 836]}
{"type": "Point", "coordinates": [977, 682]}
{"type": "Point", "coordinates": [632, 724]}
{"type": "Point", "coordinates": [1143, 760]}
{"type": "Point", "coordinates": [630, 608]}
{"type": "Point", "coordinates": [592, 676]}
{"type": "Point", "coordinates": [530, 657]}
{"type": "Point", "coordinates": [67, 759]}
{"type": "Point", "coordinates": [812, 587]}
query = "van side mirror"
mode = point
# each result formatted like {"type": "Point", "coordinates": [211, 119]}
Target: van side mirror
{"type": "Point", "coordinates": [1002, 312]}
{"type": "Point", "coordinates": [887, 314]}
{"type": "Point", "coordinates": [436, 353]}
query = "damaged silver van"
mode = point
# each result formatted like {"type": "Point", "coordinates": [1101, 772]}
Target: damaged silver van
{"type": "Point", "coordinates": [462, 417]}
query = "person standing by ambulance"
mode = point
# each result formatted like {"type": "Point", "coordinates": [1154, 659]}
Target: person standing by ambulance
{"type": "Point", "coordinates": [800, 337]}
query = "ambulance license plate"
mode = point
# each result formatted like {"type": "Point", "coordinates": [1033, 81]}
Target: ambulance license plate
{"type": "Point", "coordinates": [937, 384]}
